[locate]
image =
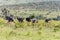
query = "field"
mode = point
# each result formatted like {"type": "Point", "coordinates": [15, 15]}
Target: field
{"type": "Point", "coordinates": [22, 31]}
{"type": "Point", "coordinates": [30, 31]}
{"type": "Point", "coordinates": [27, 30]}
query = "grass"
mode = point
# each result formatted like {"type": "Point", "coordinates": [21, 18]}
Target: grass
{"type": "Point", "coordinates": [40, 31]}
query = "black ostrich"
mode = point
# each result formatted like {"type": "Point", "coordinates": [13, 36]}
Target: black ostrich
{"type": "Point", "coordinates": [47, 20]}
{"type": "Point", "coordinates": [28, 19]}
{"type": "Point", "coordinates": [9, 19]}
{"type": "Point", "coordinates": [20, 19]}
{"type": "Point", "coordinates": [34, 21]}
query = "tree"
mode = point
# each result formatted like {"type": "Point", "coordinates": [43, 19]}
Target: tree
{"type": "Point", "coordinates": [5, 12]}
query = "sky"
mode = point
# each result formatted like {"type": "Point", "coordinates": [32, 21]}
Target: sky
{"type": "Point", "coordinates": [5, 2]}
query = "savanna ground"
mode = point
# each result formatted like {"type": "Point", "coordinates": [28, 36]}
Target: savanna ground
{"type": "Point", "coordinates": [22, 31]}
{"type": "Point", "coordinates": [29, 31]}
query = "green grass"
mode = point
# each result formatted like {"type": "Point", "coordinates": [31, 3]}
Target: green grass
{"type": "Point", "coordinates": [40, 31]}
